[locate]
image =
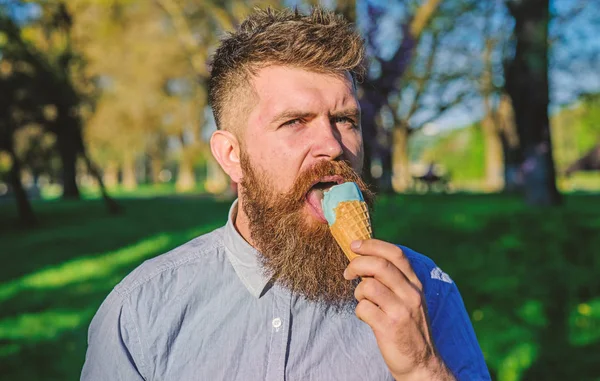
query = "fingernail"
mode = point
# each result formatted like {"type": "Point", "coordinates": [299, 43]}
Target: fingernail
{"type": "Point", "coordinates": [355, 244]}
{"type": "Point", "coordinates": [345, 273]}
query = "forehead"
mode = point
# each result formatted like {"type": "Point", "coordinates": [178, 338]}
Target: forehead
{"type": "Point", "coordinates": [281, 88]}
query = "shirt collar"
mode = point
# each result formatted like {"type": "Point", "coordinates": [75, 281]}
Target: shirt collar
{"type": "Point", "coordinates": [243, 257]}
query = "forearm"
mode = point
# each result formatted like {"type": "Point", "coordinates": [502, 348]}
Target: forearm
{"type": "Point", "coordinates": [436, 370]}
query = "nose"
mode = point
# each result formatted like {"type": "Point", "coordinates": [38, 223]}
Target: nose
{"type": "Point", "coordinates": [327, 141]}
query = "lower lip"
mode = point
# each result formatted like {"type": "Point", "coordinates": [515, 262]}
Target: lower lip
{"type": "Point", "coordinates": [318, 215]}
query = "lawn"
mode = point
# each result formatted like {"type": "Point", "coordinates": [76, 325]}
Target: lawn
{"type": "Point", "coordinates": [528, 276]}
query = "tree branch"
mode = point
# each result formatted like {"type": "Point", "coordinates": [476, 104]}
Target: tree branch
{"type": "Point", "coordinates": [423, 17]}
{"type": "Point", "coordinates": [422, 83]}
{"type": "Point", "coordinates": [185, 35]}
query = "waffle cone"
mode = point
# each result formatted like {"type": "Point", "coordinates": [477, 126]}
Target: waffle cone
{"type": "Point", "coordinates": [351, 223]}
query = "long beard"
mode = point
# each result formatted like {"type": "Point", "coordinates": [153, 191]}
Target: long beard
{"type": "Point", "coordinates": [297, 251]}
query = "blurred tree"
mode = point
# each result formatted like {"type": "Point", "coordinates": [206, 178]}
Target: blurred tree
{"type": "Point", "coordinates": [37, 150]}
{"type": "Point", "coordinates": [17, 109]}
{"type": "Point", "coordinates": [50, 33]}
{"type": "Point", "coordinates": [198, 25]}
{"type": "Point", "coordinates": [132, 76]}
{"type": "Point", "coordinates": [439, 79]}
{"type": "Point", "coordinates": [498, 126]}
{"type": "Point", "coordinates": [503, 117]}
{"type": "Point", "coordinates": [493, 152]}
{"type": "Point", "coordinates": [382, 83]}
{"type": "Point", "coordinates": [54, 69]}
{"type": "Point", "coordinates": [574, 55]}
{"type": "Point", "coordinates": [527, 85]}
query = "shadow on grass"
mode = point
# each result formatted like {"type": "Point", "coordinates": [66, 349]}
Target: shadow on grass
{"type": "Point", "coordinates": [74, 229]}
{"type": "Point", "coordinates": [48, 342]}
{"type": "Point", "coordinates": [528, 277]}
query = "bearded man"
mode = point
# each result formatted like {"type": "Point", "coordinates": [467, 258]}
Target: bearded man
{"type": "Point", "coordinates": [271, 296]}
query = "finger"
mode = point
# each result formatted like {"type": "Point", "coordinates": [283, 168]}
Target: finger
{"type": "Point", "coordinates": [373, 290]}
{"type": "Point", "coordinates": [368, 312]}
{"type": "Point", "coordinates": [387, 273]}
{"type": "Point", "coordinates": [391, 252]}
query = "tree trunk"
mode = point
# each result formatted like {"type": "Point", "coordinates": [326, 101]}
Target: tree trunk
{"type": "Point", "coordinates": [26, 215]}
{"type": "Point", "coordinates": [129, 175]}
{"type": "Point", "coordinates": [401, 164]}
{"type": "Point", "coordinates": [156, 166]}
{"type": "Point", "coordinates": [387, 165]}
{"type": "Point", "coordinates": [494, 164]}
{"type": "Point", "coordinates": [491, 125]}
{"type": "Point", "coordinates": [68, 150]}
{"type": "Point", "coordinates": [111, 175]}
{"type": "Point", "coordinates": [217, 181]}
{"type": "Point", "coordinates": [186, 179]}
{"type": "Point", "coordinates": [527, 85]}
{"type": "Point", "coordinates": [112, 206]}
{"type": "Point", "coordinates": [505, 123]}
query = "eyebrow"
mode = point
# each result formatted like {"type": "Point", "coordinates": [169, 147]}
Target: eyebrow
{"type": "Point", "coordinates": [292, 114]}
{"type": "Point", "coordinates": [352, 112]}
{"type": "Point", "coordinates": [296, 114]}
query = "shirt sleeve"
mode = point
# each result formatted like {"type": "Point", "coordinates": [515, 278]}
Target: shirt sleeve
{"type": "Point", "coordinates": [454, 336]}
{"type": "Point", "coordinates": [114, 347]}
{"type": "Point", "coordinates": [451, 327]}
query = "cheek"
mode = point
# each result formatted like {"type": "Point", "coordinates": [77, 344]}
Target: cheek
{"type": "Point", "coordinates": [278, 160]}
{"type": "Point", "coordinates": [353, 145]}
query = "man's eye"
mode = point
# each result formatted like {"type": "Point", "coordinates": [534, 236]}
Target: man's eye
{"type": "Point", "coordinates": [345, 120]}
{"type": "Point", "coordinates": [292, 123]}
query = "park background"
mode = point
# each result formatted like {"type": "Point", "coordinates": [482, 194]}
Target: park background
{"type": "Point", "coordinates": [482, 131]}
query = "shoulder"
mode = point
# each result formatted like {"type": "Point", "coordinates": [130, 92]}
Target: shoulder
{"type": "Point", "coordinates": [425, 268]}
{"type": "Point", "coordinates": [437, 285]}
{"type": "Point", "coordinates": [170, 273]}
{"type": "Point", "coordinates": [122, 324]}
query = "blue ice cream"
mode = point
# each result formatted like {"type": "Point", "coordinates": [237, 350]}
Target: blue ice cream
{"type": "Point", "coordinates": [344, 192]}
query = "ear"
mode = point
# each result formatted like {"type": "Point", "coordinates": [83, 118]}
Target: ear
{"type": "Point", "coordinates": [226, 150]}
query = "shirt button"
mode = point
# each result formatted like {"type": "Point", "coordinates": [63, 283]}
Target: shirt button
{"type": "Point", "coordinates": [276, 323]}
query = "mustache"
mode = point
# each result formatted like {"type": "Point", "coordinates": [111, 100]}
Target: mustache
{"type": "Point", "coordinates": [321, 170]}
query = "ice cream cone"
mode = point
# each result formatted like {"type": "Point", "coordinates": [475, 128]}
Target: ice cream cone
{"type": "Point", "coordinates": [352, 222]}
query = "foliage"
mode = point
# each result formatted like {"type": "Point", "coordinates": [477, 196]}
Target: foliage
{"type": "Point", "coordinates": [460, 153]}
{"type": "Point", "coordinates": [134, 111]}
{"type": "Point", "coordinates": [515, 267]}
{"type": "Point", "coordinates": [575, 129]}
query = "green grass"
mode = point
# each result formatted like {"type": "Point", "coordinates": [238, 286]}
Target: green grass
{"type": "Point", "coordinates": [528, 276]}
{"type": "Point", "coordinates": [92, 192]}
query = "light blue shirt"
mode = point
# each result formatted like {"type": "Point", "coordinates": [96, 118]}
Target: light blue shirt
{"type": "Point", "coordinates": [205, 311]}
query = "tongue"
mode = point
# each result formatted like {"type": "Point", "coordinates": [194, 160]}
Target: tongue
{"type": "Point", "coordinates": [314, 198]}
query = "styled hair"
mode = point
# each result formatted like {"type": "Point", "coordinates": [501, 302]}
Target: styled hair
{"type": "Point", "coordinates": [322, 41]}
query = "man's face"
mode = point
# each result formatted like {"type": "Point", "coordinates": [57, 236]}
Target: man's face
{"type": "Point", "coordinates": [302, 137]}
{"type": "Point", "coordinates": [302, 118]}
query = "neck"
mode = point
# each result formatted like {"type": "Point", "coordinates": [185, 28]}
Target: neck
{"type": "Point", "coordinates": [241, 222]}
